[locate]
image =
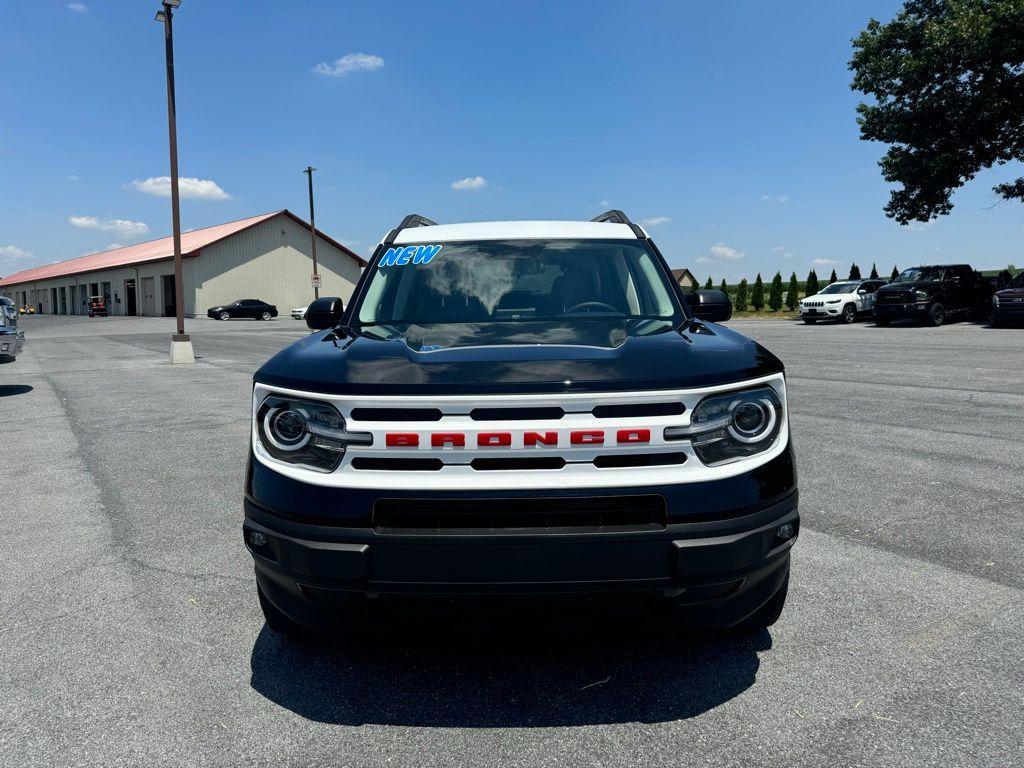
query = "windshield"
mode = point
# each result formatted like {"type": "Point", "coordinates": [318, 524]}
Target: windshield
{"type": "Point", "coordinates": [517, 282]}
{"type": "Point", "coordinates": [840, 288]}
{"type": "Point", "coordinates": [920, 275]}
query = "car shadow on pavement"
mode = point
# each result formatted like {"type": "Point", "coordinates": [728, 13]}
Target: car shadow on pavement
{"type": "Point", "coordinates": [10, 390]}
{"type": "Point", "coordinates": [511, 672]}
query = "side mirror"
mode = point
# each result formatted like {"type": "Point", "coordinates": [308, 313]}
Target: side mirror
{"type": "Point", "coordinates": [862, 291]}
{"type": "Point", "coordinates": [324, 313]}
{"type": "Point", "coordinates": [711, 304]}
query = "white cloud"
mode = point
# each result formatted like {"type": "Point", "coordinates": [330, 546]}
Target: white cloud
{"type": "Point", "coordinates": [12, 258]}
{"type": "Point", "coordinates": [123, 227]}
{"type": "Point", "coordinates": [781, 250]}
{"type": "Point", "coordinates": [604, 204]}
{"type": "Point", "coordinates": [920, 226]}
{"type": "Point", "coordinates": [470, 182]}
{"type": "Point", "coordinates": [776, 198]}
{"type": "Point", "coordinates": [113, 246]}
{"type": "Point", "coordinates": [350, 62]}
{"type": "Point", "coordinates": [199, 189]}
{"type": "Point", "coordinates": [725, 252]}
{"type": "Point", "coordinates": [825, 262]}
{"type": "Point", "coordinates": [655, 221]}
{"type": "Point", "coordinates": [703, 259]}
{"type": "Point", "coordinates": [73, 177]}
{"type": "Point", "coordinates": [78, 7]}
{"type": "Point", "coordinates": [14, 252]}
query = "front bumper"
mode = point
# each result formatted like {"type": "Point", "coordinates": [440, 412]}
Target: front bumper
{"type": "Point", "coordinates": [12, 342]}
{"type": "Point", "coordinates": [717, 560]}
{"type": "Point", "coordinates": [1008, 312]}
{"type": "Point", "coordinates": [909, 311]}
{"type": "Point", "coordinates": [821, 313]}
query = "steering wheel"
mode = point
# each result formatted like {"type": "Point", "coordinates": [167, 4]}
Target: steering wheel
{"type": "Point", "coordinates": [588, 305]}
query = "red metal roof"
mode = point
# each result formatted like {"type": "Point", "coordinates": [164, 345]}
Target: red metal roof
{"type": "Point", "coordinates": [155, 250]}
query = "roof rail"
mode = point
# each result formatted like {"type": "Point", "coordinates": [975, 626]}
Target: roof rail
{"type": "Point", "coordinates": [412, 220]}
{"type": "Point", "coordinates": [612, 217]}
{"type": "Point", "coordinates": [618, 217]}
{"type": "Point", "coordinates": [415, 220]}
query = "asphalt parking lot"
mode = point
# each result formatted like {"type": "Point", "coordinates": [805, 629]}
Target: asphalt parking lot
{"type": "Point", "coordinates": [130, 632]}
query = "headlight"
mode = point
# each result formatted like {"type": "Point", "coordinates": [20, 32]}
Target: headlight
{"type": "Point", "coordinates": [732, 426]}
{"type": "Point", "coordinates": [833, 301]}
{"type": "Point", "coordinates": [995, 301]}
{"type": "Point", "coordinates": [304, 432]}
{"type": "Point", "coordinates": [920, 296]}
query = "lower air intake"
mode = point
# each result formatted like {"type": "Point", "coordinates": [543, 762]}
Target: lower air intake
{"type": "Point", "coordinates": [432, 517]}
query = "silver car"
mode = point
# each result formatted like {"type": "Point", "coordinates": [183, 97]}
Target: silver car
{"type": "Point", "coordinates": [12, 341]}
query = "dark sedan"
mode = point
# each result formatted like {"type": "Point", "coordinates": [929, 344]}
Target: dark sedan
{"type": "Point", "coordinates": [256, 309]}
{"type": "Point", "coordinates": [1008, 303]}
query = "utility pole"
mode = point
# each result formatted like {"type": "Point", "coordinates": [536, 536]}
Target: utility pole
{"type": "Point", "coordinates": [181, 343]}
{"type": "Point", "coordinates": [312, 232]}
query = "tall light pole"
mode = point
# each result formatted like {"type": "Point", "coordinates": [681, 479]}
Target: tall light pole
{"type": "Point", "coordinates": [181, 343]}
{"type": "Point", "coordinates": [312, 232]}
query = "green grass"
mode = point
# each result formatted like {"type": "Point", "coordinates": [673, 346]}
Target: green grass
{"type": "Point", "coordinates": [767, 314]}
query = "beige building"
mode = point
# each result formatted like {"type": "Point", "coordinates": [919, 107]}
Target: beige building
{"type": "Point", "coordinates": [265, 257]}
{"type": "Point", "coordinates": [685, 278]}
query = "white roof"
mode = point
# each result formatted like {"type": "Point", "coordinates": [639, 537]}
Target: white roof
{"type": "Point", "coordinates": [514, 230]}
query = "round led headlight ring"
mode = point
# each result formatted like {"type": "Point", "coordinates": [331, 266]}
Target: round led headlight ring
{"type": "Point", "coordinates": [286, 429]}
{"type": "Point", "coordinates": [752, 420]}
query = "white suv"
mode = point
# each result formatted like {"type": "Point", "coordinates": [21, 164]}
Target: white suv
{"type": "Point", "coordinates": [842, 301]}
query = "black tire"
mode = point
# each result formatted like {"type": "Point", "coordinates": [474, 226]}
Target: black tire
{"type": "Point", "coordinates": [224, 316]}
{"type": "Point", "coordinates": [936, 315]}
{"type": "Point", "coordinates": [810, 321]}
{"type": "Point", "coordinates": [768, 613]}
{"type": "Point", "coordinates": [849, 315]}
{"type": "Point", "coordinates": [881, 323]}
{"type": "Point", "coordinates": [266, 316]}
{"type": "Point", "coordinates": [277, 621]}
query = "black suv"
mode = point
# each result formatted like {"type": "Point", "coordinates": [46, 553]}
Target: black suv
{"type": "Point", "coordinates": [524, 410]}
{"type": "Point", "coordinates": [933, 294]}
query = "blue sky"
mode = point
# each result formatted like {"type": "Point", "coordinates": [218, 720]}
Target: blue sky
{"type": "Point", "coordinates": [729, 125]}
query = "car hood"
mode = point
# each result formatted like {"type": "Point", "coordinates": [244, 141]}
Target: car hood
{"type": "Point", "coordinates": [1011, 293]}
{"type": "Point", "coordinates": [469, 359]}
{"type": "Point", "coordinates": [827, 296]}
{"type": "Point", "coordinates": [924, 285]}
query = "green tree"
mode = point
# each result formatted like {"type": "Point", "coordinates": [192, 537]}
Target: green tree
{"type": "Point", "coordinates": [874, 270]}
{"type": "Point", "coordinates": [812, 284]}
{"type": "Point", "coordinates": [854, 272]}
{"type": "Point", "coordinates": [833, 278]}
{"type": "Point", "coordinates": [709, 284]}
{"type": "Point", "coordinates": [947, 81]}
{"type": "Point", "coordinates": [757, 295]}
{"type": "Point", "coordinates": [792, 293]}
{"type": "Point", "coordinates": [724, 287]}
{"type": "Point", "coordinates": [775, 293]}
{"type": "Point", "coordinates": [895, 273]}
{"type": "Point", "coordinates": [741, 296]}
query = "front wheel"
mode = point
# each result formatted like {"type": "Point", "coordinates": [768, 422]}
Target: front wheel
{"type": "Point", "coordinates": [224, 316]}
{"type": "Point", "coordinates": [936, 315]}
{"type": "Point", "coordinates": [265, 316]}
{"type": "Point", "coordinates": [849, 314]}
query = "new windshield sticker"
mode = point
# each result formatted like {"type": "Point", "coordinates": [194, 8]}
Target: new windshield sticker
{"type": "Point", "coordinates": [409, 254]}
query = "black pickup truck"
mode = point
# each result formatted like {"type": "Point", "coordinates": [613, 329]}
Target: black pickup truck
{"type": "Point", "coordinates": [933, 294]}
